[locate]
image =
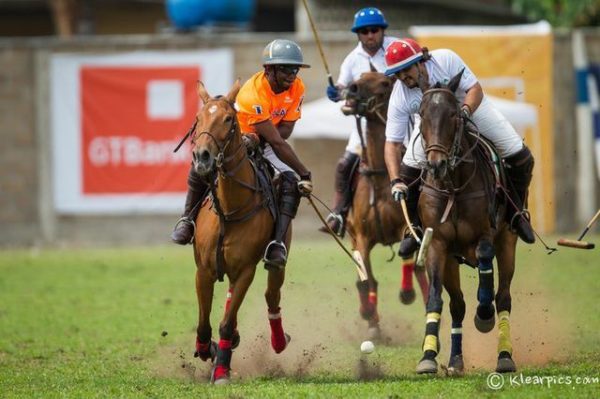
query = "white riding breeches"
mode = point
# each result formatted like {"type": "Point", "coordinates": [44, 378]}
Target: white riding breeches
{"type": "Point", "coordinates": [491, 124]}
{"type": "Point", "coordinates": [277, 163]}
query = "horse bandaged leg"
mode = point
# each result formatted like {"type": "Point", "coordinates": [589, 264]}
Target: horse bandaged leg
{"type": "Point", "coordinates": [279, 339]}
{"type": "Point", "coordinates": [456, 339]}
{"type": "Point", "coordinates": [223, 362]}
{"type": "Point", "coordinates": [368, 301]}
{"type": "Point", "coordinates": [505, 361]}
{"type": "Point", "coordinates": [431, 343]}
{"type": "Point", "coordinates": [205, 349]}
{"type": "Point", "coordinates": [484, 317]}
{"type": "Point", "coordinates": [407, 291]}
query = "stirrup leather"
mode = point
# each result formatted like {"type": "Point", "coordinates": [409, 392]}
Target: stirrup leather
{"type": "Point", "coordinates": [185, 219]}
{"type": "Point", "coordinates": [278, 243]}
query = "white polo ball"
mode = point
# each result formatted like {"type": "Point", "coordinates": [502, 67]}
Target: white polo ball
{"type": "Point", "coordinates": [367, 347]}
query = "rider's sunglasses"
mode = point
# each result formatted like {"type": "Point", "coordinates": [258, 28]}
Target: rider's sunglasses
{"type": "Point", "coordinates": [288, 69]}
{"type": "Point", "coordinates": [366, 31]}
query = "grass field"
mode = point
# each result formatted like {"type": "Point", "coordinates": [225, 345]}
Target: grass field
{"type": "Point", "coordinates": [121, 323]}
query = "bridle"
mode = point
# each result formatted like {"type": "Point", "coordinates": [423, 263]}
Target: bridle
{"type": "Point", "coordinates": [367, 106]}
{"type": "Point", "coordinates": [453, 154]}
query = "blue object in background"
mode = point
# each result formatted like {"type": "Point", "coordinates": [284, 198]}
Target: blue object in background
{"type": "Point", "coordinates": [186, 14]}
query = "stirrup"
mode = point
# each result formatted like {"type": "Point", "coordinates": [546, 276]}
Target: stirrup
{"type": "Point", "coordinates": [186, 220]}
{"type": "Point", "coordinates": [269, 262]}
{"type": "Point", "coordinates": [336, 218]}
{"type": "Point", "coordinates": [409, 244]}
{"type": "Point", "coordinates": [528, 235]}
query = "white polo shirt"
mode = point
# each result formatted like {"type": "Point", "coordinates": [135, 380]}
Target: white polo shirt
{"type": "Point", "coordinates": [357, 62]}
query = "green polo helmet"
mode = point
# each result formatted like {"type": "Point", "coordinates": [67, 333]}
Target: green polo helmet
{"type": "Point", "coordinates": [283, 52]}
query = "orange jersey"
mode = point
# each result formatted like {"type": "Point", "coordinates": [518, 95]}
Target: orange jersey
{"type": "Point", "coordinates": [256, 103]}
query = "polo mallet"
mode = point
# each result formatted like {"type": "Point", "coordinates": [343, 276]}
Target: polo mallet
{"type": "Point", "coordinates": [315, 34]}
{"type": "Point", "coordinates": [407, 218]}
{"type": "Point", "coordinates": [578, 243]}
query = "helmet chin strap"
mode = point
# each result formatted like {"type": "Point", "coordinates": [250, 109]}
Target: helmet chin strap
{"type": "Point", "coordinates": [422, 80]}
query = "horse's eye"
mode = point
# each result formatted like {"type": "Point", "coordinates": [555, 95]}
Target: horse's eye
{"type": "Point", "coordinates": [228, 118]}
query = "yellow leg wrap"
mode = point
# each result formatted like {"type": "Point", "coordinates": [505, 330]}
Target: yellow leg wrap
{"type": "Point", "coordinates": [433, 317]}
{"type": "Point", "coordinates": [504, 344]}
{"type": "Point", "coordinates": [408, 261]}
{"type": "Point", "coordinates": [430, 343]}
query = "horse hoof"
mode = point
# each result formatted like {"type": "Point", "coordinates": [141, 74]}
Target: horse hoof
{"type": "Point", "coordinates": [484, 326]}
{"type": "Point", "coordinates": [407, 297]}
{"type": "Point", "coordinates": [222, 381]}
{"type": "Point", "coordinates": [456, 366]}
{"type": "Point", "coordinates": [374, 333]}
{"type": "Point", "coordinates": [427, 366]}
{"type": "Point", "coordinates": [506, 365]}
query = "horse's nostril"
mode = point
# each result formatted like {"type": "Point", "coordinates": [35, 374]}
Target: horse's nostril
{"type": "Point", "coordinates": [204, 156]}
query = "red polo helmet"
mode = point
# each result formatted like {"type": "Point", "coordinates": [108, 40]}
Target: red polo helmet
{"type": "Point", "coordinates": [401, 54]}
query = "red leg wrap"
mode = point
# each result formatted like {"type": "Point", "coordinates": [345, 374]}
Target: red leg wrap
{"type": "Point", "coordinates": [223, 360]}
{"type": "Point", "coordinates": [407, 276]}
{"type": "Point", "coordinates": [202, 350]}
{"type": "Point", "coordinates": [278, 341]}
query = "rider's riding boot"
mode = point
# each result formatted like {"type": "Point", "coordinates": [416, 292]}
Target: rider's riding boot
{"type": "Point", "coordinates": [184, 229]}
{"type": "Point", "coordinates": [409, 176]}
{"type": "Point", "coordinates": [342, 200]}
{"type": "Point", "coordinates": [519, 168]}
{"type": "Point", "coordinates": [289, 199]}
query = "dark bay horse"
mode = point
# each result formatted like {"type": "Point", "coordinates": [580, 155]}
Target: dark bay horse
{"type": "Point", "coordinates": [232, 232]}
{"type": "Point", "coordinates": [374, 217]}
{"type": "Point", "coordinates": [459, 201]}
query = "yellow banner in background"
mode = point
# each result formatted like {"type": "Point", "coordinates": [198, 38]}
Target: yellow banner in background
{"type": "Point", "coordinates": [513, 63]}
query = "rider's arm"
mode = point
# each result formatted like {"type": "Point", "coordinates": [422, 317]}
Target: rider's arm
{"type": "Point", "coordinates": [285, 129]}
{"type": "Point", "coordinates": [281, 148]}
{"type": "Point", "coordinates": [473, 98]}
{"type": "Point", "coordinates": [393, 156]}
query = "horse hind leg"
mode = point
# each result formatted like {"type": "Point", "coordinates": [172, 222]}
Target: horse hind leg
{"type": "Point", "coordinates": [457, 310]}
{"type": "Point", "coordinates": [279, 338]}
{"type": "Point", "coordinates": [484, 316]}
{"type": "Point", "coordinates": [506, 265]}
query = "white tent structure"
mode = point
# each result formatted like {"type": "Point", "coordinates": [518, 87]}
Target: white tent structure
{"type": "Point", "coordinates": [324, 119]}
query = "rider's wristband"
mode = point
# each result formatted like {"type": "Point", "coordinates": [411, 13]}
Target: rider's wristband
{"type": "Point", "coordinates": [395, 181]}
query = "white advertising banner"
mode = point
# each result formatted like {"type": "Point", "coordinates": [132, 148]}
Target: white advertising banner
{"type": "Point", "coordinates": [115, 121]}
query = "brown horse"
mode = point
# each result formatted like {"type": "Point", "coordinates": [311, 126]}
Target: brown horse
{"type": "Point", "coordinates": [460, 204]}
{"type": "Point", "coordinates": [232, 234]}
{"type": "Point", "coordinates": [374, 217]}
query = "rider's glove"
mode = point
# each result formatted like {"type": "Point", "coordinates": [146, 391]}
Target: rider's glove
{"type": "Point", "coordinates": [305, 185]}
{"type": "Point", "coordinates": [333, 93]}
{"type": "Point", "coordinates": [251, 141]}
{"type": "Point", "coordinates": [399, 190]}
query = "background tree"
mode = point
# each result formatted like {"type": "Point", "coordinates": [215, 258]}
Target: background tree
{"type": "Point", "coordinates": [563, 13]}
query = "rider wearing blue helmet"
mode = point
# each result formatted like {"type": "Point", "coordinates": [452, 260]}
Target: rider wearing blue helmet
{"type": "Point", "coordinates": [369, 25]}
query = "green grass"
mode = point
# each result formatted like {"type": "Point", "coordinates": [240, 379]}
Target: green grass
{"type": "Point", "coordinates": [91, 323]}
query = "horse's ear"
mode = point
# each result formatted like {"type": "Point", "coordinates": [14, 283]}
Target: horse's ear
{"type": "Point", "coordinates": [202, 93]}
{"type": "Point", "coordinates": [234, 91]}
{"type": "Point", "coordinates": [372, 67]}
{"type": "Point", "coordinates": [453, 84]}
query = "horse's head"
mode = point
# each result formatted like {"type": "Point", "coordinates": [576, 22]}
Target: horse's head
{"type": "Point", "coordinates": [217, 130]}
{"type": "Point", "coordinates": [440, 125]}
{"type": "Point", "coordinates": [369, 95]}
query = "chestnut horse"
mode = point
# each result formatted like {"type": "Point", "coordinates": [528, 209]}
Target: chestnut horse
{"type": "Point", "coordinates": [460, 203]}
{"type": "Point", "coordinates": [232, 234]}
{"type": "Point", "coordinates": [374, 217]}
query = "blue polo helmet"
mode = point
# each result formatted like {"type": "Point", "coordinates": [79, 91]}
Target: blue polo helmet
{"type": "Point", "coordinates": [369, 16]}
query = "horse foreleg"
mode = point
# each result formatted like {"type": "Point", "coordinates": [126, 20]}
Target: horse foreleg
{"type": "Point", "coordinates": [506, 269]}
{"type": "Point", "coordinates": [407, 292]}
{"type": "Point", "coordinates": [457, 310]}
{"type": "Point", "coordinates": [227, 325]}
{"type": "Point", "coordinates": [484, 317]}
{"type": "Point", "coordinates": [205, 347]}
{"type": "Point", "coordinates": [436, 261]}
{"type": "Point", "coordinates": [367, 293]}
{"type": "Point", "coordinates": [235, 341]}
{"type": "Point", "coordinates": [279, 339]}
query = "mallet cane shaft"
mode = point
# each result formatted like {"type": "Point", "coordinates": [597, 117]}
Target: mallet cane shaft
{"type": "Point", "coordinates": [590, 224]}
{"type": "Point", "coordinates": [316, 35]}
